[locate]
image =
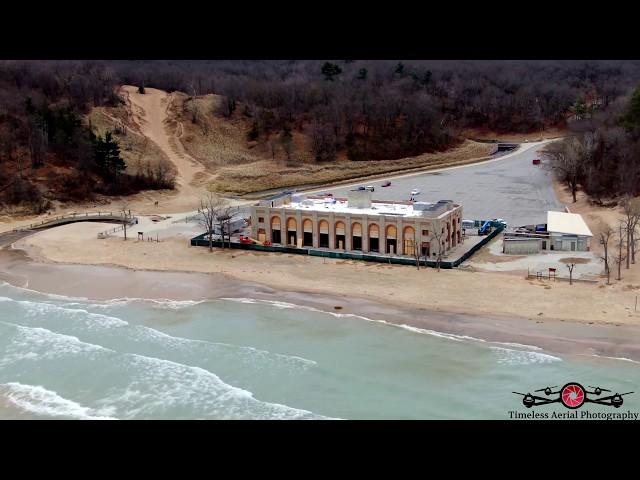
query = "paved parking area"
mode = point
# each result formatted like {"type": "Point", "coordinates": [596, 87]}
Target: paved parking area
{"type": "Point", "coordinates": [511, 188]}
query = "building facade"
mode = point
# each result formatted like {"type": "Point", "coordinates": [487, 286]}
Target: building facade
{"type": "Point", "coordinates": [358, 224]}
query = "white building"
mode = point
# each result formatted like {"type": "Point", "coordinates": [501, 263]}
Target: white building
{"type": "Point", "coordinates": [567, 231]}
{"type": "Point", "coordinates": [564, 232]}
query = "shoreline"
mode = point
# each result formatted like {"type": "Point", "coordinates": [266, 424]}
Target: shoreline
{"type": "Point", "coordinates": [102, 282]}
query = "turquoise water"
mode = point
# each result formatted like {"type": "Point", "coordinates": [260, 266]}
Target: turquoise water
{"type": "Point", "coordinates": [244, 359]}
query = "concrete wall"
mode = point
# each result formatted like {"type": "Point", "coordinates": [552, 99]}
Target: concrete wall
{"type": "Point", "coordinates": [522, 246]}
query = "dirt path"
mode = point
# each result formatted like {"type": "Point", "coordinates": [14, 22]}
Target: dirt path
{"type": "Point", "coordinates": [150, 113]}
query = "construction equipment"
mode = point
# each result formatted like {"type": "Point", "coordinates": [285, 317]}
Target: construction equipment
{"type": "Point", "coordinates": [485, 228]}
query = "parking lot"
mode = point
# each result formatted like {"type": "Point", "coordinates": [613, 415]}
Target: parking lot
{"type": "Point", "coordinates": [511, 188]}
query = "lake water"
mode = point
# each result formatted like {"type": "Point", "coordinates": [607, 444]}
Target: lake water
{"type": "Point", "coordinates": [248, 359]}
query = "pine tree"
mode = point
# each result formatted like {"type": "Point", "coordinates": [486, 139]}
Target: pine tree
{"type": "Point", "coordinates": [330, 70]}
{"type": "Point", "coordinates": [107, 157]}
{"type": "Point", "coordinates": [631, 119]}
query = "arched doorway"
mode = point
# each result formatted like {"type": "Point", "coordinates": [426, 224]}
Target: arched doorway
{"type": "Point", "coordinates": [409, 241]}
{"type": "Point", "coordinates": [356, 236]}
{"type": "Point", "coordinates": [340, 239]}
{"type": "Point", "coordinates": [307, 234]}
{"type": "Point", "coordinates": [275, 230]}
{"type": "Point", "coordinates": [374, 240]}
{"type": "Point", "coordinates": [323, 229]}
{"type": "Point", "coordinates": [391, 233]}
{"type": "Point", "coordinates": [292, 233]}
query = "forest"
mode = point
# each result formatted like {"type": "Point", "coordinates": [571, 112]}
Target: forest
{"type": "Point", "coordinates": [367, 109]}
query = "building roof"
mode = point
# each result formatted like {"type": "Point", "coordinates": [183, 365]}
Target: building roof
{"type": "Point", "coordinates": [569, 223]}
{"type": "Point", "coordinates": [398, 208]}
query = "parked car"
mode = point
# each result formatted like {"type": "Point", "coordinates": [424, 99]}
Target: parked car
{"type": "Point", "coordinates": [415, 191]}
{"type": "Point", "coordinates": [361, 188]}
{"type": "Point", "coordinates": [328, 194]}
{"type": "Point", "coordinates": [386, 183]}
{"type": "Point", "coordinates": [370, 188]}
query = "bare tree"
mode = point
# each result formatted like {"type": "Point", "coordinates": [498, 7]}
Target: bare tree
{"type": "Point", "coordinates": [416, 253]}
{"type": "Point", "coordinates": [438, 234]}
{"type": "Point", "coordinates": [568, 157]}
{"type": "Point", "coordinates": [570, 267]}
{"type": "Point", "coordinates": [215, 210]}
{"type": "Point", "coordinates": [606, 232]}
{"type": "Point", "coordinates": [620, 258]}
{"type": "Point", "coordinates": [126, 213]}
{"type": "Point", "coordinates": [631, 209]}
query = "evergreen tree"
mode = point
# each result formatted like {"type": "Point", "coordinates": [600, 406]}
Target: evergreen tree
{"type": "Point", "coordinates": [330, 70]}
{"type": "Point", "coordinates": [362, 74]}
{"type": "Point", "coordinates": [631, 119]}
{"type": "Point", "coordinates": [400, 68]}
{"type": "Point", "coordinates": [107, 157]}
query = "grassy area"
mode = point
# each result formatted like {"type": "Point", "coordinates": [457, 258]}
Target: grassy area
{"type": "Point", "coordinates": [136, 150]}
{"type": "Point", "coordinates": [243, 167]}
{"type": "Point", "coordinates": [266, 174]}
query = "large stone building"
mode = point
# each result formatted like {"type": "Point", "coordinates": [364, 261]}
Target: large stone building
{"type": "Point", "coordinates": [358, 223]}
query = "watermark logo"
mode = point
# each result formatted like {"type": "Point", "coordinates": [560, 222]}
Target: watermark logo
{"type": "Point", "coordinates": [574, 396]}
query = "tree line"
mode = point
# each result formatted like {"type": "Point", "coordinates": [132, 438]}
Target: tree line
{"type": "Point", "coordinates": [364, 109]}
{"type": "Point", "coordinates": [601, 155]}
{"type": "Point", "coordinates": [391, 109]}
{"type": "Point", "coordinates": [46, 150]}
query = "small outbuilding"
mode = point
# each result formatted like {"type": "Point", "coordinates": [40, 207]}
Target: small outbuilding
{"type": "Point", "coordinates": [568, 232]}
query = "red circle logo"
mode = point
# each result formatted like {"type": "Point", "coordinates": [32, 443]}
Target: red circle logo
{"type": "Point", "coordinates": [572, 395]}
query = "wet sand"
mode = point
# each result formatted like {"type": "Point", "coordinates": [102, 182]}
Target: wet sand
{"type": "Point", "coordinates": [106, 282]}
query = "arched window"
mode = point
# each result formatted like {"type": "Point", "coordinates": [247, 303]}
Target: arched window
{"type": "Point", "coordinates": [356, 236]}
{"type": "Point", "coordinates": [391, 232]}
{"type": "Point", "coordinates": [323, 229]}
{"type": "Point", "coordinates": [374, 241]}
{"type": "Point", "coordinates": [275, 230]}
{"type": "Point", "coordinates": [292, 232]}
{"type": "Point", "coordinates": [307, 233]}
{"type": "Point", "coordinates": [409, 241]}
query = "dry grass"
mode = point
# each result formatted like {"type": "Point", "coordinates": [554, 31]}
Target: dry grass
{"type": "Point", "coordinates": [243, 167]}
{"type": "Point", "coordinates": [136, 150]}
{"type": "Point", "coordinates": [267, 174]}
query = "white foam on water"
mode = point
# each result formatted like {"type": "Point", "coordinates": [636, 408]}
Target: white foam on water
{"type": "Point", "coordinates": [622, 359]}
{"type": "Point", "coordinates": [46, 343]}
{"type": "Point", "coordinates": [424, 331]}
{"type": "Point", "coordinates": [40, 401]}
{"type": "Point", "coordinates": [97, 322]}
{"type": "Point", "coordinates": [44, 294]}
{"type": "Point", "coordinates": [509, 356]}
{"type": "Point", "coordinates": [159, 302]}
{"type": "Point", "coordinates": [176, 385]}
{"type": "Point", "coordinates": [519, 345]}
{"type": "Point", "coordinates": [166, 384]}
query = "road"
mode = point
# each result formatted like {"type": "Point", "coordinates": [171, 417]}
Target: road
{"type": "Point", "coordinates": [510, 187]}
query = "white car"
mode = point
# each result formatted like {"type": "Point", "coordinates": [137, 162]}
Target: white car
{"type": "Point", "coordinates": [415, 191]}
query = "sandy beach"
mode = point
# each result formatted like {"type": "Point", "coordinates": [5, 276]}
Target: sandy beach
{"type": "Point", "coordinates": [554, 316]}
